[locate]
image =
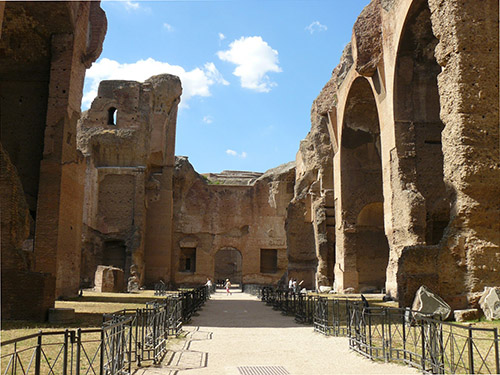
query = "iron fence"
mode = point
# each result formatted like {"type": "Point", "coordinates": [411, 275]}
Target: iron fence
{"type": "Point", "coordinates": [192, 300]}
{"type": "Point", "coordinates": [397, 335]}
{"type": "Point", "coordinates": [304, 312]}
{"type": "Point", "coordinates": [103, 351]}
{"type": "Point", "coordinates": [126, 336]}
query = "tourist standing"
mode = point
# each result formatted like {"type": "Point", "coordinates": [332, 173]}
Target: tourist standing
{"type": "Point", "coordinates": [209, 285]}
{"type": "Point", "coordinates": [228, 287]}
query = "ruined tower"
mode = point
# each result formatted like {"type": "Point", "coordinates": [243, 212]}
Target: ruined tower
{"type": "Point", "coordinates": [128, 139]}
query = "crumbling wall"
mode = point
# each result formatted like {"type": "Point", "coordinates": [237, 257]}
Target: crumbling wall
{"type": "Point", "coordinates": [46, 49]}
{"type": "Point", "coordinates": [435, 96]}
{"type": "Point", "coordinates": [127, 139]}
{"type": "Point", "coordinates": [221, 221]}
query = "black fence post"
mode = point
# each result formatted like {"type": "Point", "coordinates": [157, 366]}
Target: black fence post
{"type": "Point", "coordinates": [155, 338]}
{"type": "Point", "coordinates": [471, 352]}
{"type": "Point", "coordinates": [130, 347]}
{"type": "Point", "coordinates": [65, 353]}
{"type": "Point", "coordinates": [423, 346]}
{"type": "Point", "coordinates": [78, 351]}
{"type": "Point", "coordinates": [38, 358]}
{"type": "Point", "coordinates": [497, 360]}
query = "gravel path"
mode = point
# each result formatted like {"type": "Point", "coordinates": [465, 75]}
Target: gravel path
{"type": "Point", "coordinates": [239, 335]}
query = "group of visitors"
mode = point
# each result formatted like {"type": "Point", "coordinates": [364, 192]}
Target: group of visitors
{"type": "Point", "coordinates": [293, 286]}
{"type": "Point", "coordinates": [227, 286]}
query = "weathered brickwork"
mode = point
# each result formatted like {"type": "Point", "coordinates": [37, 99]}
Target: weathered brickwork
{"type": "Point", "coordinates": [230, 225]}
{"type": "Point", "coordinates": [413, 119]}
{"type": "Point", "coordinates": [127, 137]}
{"type": "Point", "coordinates": [45, 51]}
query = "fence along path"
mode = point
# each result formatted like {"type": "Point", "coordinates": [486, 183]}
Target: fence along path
{"type": "Point", "coordinates": [239, 335]}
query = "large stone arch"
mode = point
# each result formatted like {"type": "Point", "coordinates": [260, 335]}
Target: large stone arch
{"type": "Point", "coordinates": [362, 247]}
{"type": "Point", "coordinates": [228, 264]}
{"type": "Point", "coordinates": [418, 125]}
{"type": "Point", "coordinates": [420, 201]}
{"type": "Point", "coordinates": [434, 72]}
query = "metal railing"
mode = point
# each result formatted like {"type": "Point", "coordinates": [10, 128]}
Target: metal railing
{"type": "Point", "coordinates": [102, 351]}
{"type": "Point", "coordinates": [398, 335]}
{"type": "Point", "coordinates": [126, 337]}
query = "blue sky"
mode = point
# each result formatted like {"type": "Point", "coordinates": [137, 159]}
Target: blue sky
{"type": "Point", "coordinates": [250, 70]}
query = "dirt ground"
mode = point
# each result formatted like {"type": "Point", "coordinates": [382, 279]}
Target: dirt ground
{"type": "Point", "coordinates": [239, 335]}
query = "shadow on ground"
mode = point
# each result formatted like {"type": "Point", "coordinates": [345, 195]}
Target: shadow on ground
{"type": "Point", "coordinates": [237, 311]}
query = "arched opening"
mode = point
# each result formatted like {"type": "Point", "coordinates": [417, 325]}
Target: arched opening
{"type": "Point", "coordinates": [418, 125]}
{"type": "Point", "coordinates": [112, 113]}
{"type": "Point", "coordinates": [228, 265]}
{"type": "Point", "coordinates": [366, 249]}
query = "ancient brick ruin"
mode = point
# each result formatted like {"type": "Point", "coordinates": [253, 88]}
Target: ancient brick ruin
{"type": "Point", "coordinates": [46, 48]}
{"type": "Point", "coordinates": [128, 140]}
{"type": "Point", "coordinates": [396, 185]}
{"type": "Point", "coordinates": [413, 115]}
{"type": "Point", "coordinates": [230, 225]}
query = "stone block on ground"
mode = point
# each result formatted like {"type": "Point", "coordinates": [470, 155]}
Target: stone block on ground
{"type": "Point", "coordinates": [466, 315]}
{"type": "Point", "coordinates": [490, 303]}
{"type": "Point", "coordinates": [61, 315]}
{"type": "Point", "coordinates": [109, 279]}
{"type": "Point", "coordinates": [429, 304]}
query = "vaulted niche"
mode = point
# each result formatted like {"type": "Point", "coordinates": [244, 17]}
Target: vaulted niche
{"type": "Point", "coordinates": [417, 123]}
{"type": "Point", "coordinates": [362, 197]}
{"type": "Point", "coordinates": [228, 265]}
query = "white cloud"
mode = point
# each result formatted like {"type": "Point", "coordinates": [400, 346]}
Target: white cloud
{"type": "Point", "coordinates": [243, 155]}
{"type": "Point", "coordinates": [222, 36]}
{"type": "Point", "coordinates": [168, 27]}
{"type": "Point", "coordinates": [130, 5]}
{"type": "Point", "coordinates": [208, 119]}
{"type": "Point", "coordinates": [254, 59]}
{"type": "Point", "coordinates": [196, 82]}
{"type": "Point", "coordinates": [316, 26]}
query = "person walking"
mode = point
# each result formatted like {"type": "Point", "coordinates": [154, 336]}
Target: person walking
{"type": "Point", "coordinates": [228, 287]}
{"type": "Point", "coordinates": [209, 285]}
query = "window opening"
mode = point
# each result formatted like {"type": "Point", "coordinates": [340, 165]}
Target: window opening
{"type": "Point", "coordinates": [187, 261]}
{"type": "Point", "coordinates": [112, 112]}
{"type": "Point", "coordinates": [268, 260]}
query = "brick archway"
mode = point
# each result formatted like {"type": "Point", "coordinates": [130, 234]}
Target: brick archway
{"type": "Point", "coordinates": [228, 264]}
{"type": "Point", "coordinates": [363, 244]}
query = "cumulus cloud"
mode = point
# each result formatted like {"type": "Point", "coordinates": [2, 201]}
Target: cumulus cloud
{"type": "Point", "coordinates": [230, 152]}
{"type": "Point", "coordinates": [208, 119]}
{"type": "Point", "coordinates": [316, 26]}
{"type": "Point", "coordinates": [196, 82]}
{"type": "Point", "coordinates": [168, 27]}
{"type": "Point", "coordinates": [254, 59]}
{"type": "Point", "coordinates": [222, 36]}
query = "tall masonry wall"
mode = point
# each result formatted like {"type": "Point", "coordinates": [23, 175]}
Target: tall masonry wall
{"type": "Point", "coordinates": [46, 48]}
{"type": "Point", "coordinates": [230, 227]}
{"type": "Point", "coordinates": [128, 138]}
{"type": "Point", "coordinates": [413, 115]}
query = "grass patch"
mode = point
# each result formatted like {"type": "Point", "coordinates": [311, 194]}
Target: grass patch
{"type": "Point", "coordinates": [89, 309]}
